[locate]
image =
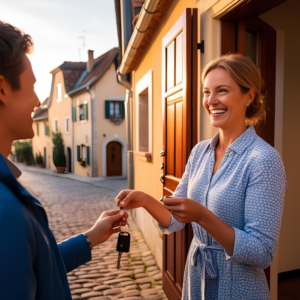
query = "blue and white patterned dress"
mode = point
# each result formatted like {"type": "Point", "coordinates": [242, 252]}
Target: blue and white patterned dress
{"type": "Point", "coordinates": [246, 192]}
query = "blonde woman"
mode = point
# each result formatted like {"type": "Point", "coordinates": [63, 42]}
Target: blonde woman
{"type": "Point", "coordinates": [232, 191]}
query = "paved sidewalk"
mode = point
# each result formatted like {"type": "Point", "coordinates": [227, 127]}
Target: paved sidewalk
{"type": "Point", "coordinates": [72, 207]}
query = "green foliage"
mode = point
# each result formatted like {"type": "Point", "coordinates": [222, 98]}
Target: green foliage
{"type": "Point", "coordinates": [59, 157]}
{"type": "Point", "coordinates": [24, 151]}
{"type": "Point", "coordinates": [39, 158]}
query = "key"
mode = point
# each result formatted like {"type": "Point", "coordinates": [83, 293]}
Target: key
{"type": "Point", "coordinates": [123, 245]}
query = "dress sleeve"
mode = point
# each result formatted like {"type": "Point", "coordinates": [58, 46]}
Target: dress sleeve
{"type": "Point", "coordinates": [75, 251]}
{"type": "Point", "coordinates": [257, 243]}
{"type": "Point", "coordinates": [180, 192]}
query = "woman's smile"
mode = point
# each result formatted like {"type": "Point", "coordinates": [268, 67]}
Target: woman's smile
{"type": "Point", "coordinates": [216, 113]}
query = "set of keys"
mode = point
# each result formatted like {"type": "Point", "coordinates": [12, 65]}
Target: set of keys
{"type": "Point", "coordinates": [123, 243]}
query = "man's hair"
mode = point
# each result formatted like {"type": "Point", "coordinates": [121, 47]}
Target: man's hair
{"type": "Point", "coordinates": [13, 44]}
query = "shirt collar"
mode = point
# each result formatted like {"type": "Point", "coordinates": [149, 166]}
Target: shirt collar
{"type": "Point", "coordinates": [13, 168]}
{"type": "Point", "coordinates": [240, 144]}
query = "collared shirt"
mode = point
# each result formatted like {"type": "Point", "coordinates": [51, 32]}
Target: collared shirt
{"type": "Point", "coordinates": [13, 168]}
{"type": "Point", "coordinates": [247, 193]}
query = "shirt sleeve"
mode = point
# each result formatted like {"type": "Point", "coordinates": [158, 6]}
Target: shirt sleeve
{"type": "Point", "coordinates": [257, 242]}
{"type": "Point", "coordinates": [75, 251]}
{"type": "Point", "coordinates": [180, 192]}
{"type": "Point", "coordinates": [17, 252]}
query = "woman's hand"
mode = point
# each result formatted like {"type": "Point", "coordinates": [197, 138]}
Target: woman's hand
{"type": "Point", "coordinates": [131, 199]}
{"type": "Point", "coordinates": [184, 210]}
{"type": "Point", "coordinates": [103, 227]}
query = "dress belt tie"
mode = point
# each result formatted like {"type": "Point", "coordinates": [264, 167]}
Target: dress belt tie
{"type": "Point", "coordinates": [206, 262]}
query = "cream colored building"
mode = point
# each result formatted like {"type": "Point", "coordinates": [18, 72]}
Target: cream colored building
{"type": "Point", "coordinates": [98, 119]}
{"type": "Point", "coordinates": [86, 104]}
{"type": "Point", "coordinates": [41, 143]}
{"type": "Point", "coordinates": [170, 44]}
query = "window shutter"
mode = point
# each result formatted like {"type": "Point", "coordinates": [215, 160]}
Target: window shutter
{"type": "Point", "coordinates": [85, 111]}
{"type": "Point", "coordinates": [87, 155]}
{"type": "Point", "coordinates": [37, 129]}
{"type": "Point", "coordinates": [78, 153]}
{"type": "Point", "coordinates": [74, 117]}
{"type": "Point", "coordinates": [107, 109]}
{"type": "Point", "coordinates": [122, 109]}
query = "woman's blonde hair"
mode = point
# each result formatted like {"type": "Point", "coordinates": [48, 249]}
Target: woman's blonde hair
{"type": "Point", "coordinates": [247, 75]}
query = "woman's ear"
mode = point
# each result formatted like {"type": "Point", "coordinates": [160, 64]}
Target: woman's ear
{"type": "Point", "coordinates": [251, 96]}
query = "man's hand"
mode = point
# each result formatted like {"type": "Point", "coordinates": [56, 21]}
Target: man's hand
{"type": "Point", "coordinates": [103, 227]}
{"type": "Point", "coordinates": [184, 210]}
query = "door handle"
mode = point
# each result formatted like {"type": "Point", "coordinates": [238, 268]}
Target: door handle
{"type": "Point", "coordinates": [162, 153]}
{"type": "Point", "coordinates": [162, 178]}
{"type": "Point", "coordinates": [162, 166]}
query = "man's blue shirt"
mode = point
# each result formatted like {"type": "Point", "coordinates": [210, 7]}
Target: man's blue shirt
{"type": "Point", "coordinates": [32, 264]}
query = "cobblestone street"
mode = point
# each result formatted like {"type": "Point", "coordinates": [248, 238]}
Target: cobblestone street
{"type": "Point", "coordinates": [73, 207]}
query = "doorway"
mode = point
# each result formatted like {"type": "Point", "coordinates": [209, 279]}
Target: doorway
{"type": "Point", "coordinates": [69, 160]}
{"type": "Point", "coordinates": [114, 159]}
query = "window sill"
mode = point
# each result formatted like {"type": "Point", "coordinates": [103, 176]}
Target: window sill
{"type": "Point", "coordinates": [144, 156]}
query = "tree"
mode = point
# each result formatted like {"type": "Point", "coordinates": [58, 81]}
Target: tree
{"type": "Point", "coordinates": [59, 157]}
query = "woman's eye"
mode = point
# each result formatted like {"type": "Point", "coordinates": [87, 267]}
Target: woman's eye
{"type": "Point", "coordinates": [206, 92]}
{"type": "Point", "coordinates": [223, 91]}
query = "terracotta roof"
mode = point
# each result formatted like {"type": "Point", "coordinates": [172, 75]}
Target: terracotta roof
{"type": "Point", "coordinates": [101, 64]}
{"type": "Point", "coordinates": [72, 72]}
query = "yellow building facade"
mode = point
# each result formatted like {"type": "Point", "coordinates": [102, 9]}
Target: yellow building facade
{"type": "Point", "coordinates": [270, 34]}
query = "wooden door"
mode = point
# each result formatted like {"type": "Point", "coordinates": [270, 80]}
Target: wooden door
{"type": "Point", "coordinates": [244, 32]}
{"type": "Point", "coordinates": [114, 159]}
{"type": "Point", "coordinates": [179, 94]}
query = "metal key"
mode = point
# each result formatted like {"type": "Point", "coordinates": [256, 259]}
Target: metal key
{"type": "Point", "coordinates": [123, 245]}
{"type": "Point", "coordinates": [119, 261]}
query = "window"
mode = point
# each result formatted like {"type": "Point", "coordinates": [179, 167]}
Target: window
{"type": "Point", "coordinates": [37, 129]}
{"type": "Point", "coordinates": [46, 129]}
{"type": "Point", "coordinates": [83, 112]}
{"type": "Point", "coordinates": [59, 96]}
{"type": "Point", "coordinates": [144, 114]}
{"type": "Point", "coordinates": [55, 124]}
{"type": "Point", "coordinates": [115, 111]}
{"type": "Point", "coordinates": [83, 154]}
{"type": "Point", "coordinates": [67, 124]}
{"type": "Point", "coordinates": [74, 114]}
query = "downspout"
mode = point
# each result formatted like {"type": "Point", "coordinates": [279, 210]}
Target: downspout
{"type": "Point", "coordinates": [128, 122]}
{"type": "Point", "coordinates": [93, 160]}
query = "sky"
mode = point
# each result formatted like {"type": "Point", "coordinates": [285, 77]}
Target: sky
{"type": "Point", "coordinates": [57, 28]}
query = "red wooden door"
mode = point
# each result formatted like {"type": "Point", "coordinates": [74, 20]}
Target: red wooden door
{"type": "Point", "coordinates": [179, 94]}
{"type": "Point", "coordinates": [114, 159]}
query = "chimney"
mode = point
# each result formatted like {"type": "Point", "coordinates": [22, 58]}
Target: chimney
{"type": "Point", "coordinates": [90, 62]}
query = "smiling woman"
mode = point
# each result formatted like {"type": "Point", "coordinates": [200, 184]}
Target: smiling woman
{"type": "Point", "coordinates": [232, 191]}
{"type": "Point", "coordinates": [245, 75]}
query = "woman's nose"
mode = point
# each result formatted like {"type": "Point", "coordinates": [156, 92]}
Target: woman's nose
{"type": "Point", "coordinates": [212, 99]}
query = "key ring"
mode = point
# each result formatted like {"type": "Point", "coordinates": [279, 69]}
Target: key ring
{"type": "Point", "coordinates": [121, 208]}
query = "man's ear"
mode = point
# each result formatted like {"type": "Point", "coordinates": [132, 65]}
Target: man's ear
{"type": "Point", "coordinates": [3, 90]}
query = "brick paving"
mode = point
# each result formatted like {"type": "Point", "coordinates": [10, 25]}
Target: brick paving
{"type": "Point", "coordinates": [73, 207]}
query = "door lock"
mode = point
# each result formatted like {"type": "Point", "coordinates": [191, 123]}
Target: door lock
{"type": "Point", "coordinates": [162, 178]}
{"type": "Point", "coordinates": [162, 153]}
{"type": "Point", "coordinates": [162, 166]}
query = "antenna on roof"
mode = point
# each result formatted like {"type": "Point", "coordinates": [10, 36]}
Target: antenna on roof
{"type": "Point", "coordinates": [82, 37]}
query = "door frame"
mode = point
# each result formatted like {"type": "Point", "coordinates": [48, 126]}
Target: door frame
{"type": "Point", "coordinates": [124, 155]}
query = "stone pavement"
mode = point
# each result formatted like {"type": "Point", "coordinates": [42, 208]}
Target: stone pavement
{"type": "Point", "coordinates": [72, 207]}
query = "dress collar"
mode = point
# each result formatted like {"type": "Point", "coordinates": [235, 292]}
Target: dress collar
{"type": "Point", "coordinates": [13, 168]}
{"type": "Point", "coordinates": [240, 144]}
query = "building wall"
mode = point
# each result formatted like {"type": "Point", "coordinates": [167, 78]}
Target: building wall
{"type": "Point", "coordinates": [143, 170]}
{"type": "Point", "coordinates": [286, 18]}
{"type": "Point", "coordinates": [106, 87]}
{"type": "Point", "coordinates": [41, 141]}
{"type": "Point", "coordinates": [60, 110]}
{"type": "Point", "coordinates": [82, 133]}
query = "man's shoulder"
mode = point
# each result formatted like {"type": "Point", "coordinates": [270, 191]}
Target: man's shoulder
{"type": "Point", "coordinates": [11, 207]}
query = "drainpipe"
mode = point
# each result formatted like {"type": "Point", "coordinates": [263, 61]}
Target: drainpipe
{"type": "Point", "coordinates": [128, 121]}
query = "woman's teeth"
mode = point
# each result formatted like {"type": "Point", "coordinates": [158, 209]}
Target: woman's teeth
{"type": "Point", "coordinates": [218, 112]}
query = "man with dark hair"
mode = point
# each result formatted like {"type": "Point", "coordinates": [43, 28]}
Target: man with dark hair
{"type": "Point", "coordinates": [32, 264]}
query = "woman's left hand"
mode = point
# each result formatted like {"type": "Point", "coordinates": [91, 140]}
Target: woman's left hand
{"type": "Point", "coordinates": [184, 210]}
